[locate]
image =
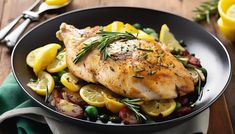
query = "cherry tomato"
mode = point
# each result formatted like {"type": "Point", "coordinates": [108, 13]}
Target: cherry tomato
{"type": "Point", "coordinates": [128, 116]}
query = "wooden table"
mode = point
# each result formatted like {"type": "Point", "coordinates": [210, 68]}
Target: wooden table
{"type": "Point", "coordinates": [222, 112]}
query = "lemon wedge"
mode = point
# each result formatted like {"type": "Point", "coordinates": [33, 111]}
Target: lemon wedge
{"type": "Point", "coordinates": [30, 59]}
{"type": "Point", "coordinates": [45, 57]}
{"type": "Point", "coordinates": [58, 64]}
{"type": "Point", "coordinates": [111, 102]}
{"type": "Point", "coordinates": [144, 36]}
{"type": "Point", "coordinates": [231, 11]}
{"type": "Point", "coordinates": [169, 40]}
{"type": "Point", "coordinates": [70, 81]}
{"type": "Point", "coordinates": [155, 108]}
{"type": "Point", "coordinates": [92, 95]}
{"type": "Point", "coordinates": [45, 83]}
{"type": "Point", "coordinates": [130, 29]}
{"type": "Point", "coordinates": [116, 26]}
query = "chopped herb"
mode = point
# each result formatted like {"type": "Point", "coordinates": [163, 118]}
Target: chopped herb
{"type": "Point", "coordinates": [145, 56]}
{"type": "Point", "coordinates": [143, 49]}
{"type": "Point", "coordinates": [111, 68]}
{"type": "Point", "coordinates": [139, 77]}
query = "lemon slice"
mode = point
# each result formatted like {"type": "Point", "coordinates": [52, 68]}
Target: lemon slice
{"type": "Point", "coordinates": [155, 108]}
{"type": "Point", "coordinates": [144, 36]}
{"type": "Point", "coordinates": [169, 40]}
{"type": "Point", "coordinates": [231, 11]}
{"type": "Point", "coordinates": [92, 95]}
{"type": "Point", "coordinates": [44, 84]}
{"type": "Point", "coordinates": [58, 64]}
{"type": "Point", "coordinates": [45, 57]}
{"type": "Point", "coordinates": [70, 81]}
{"type": "Point", "coordinates": [30, 59]}
{"type": "Point", "coordinates": [112, 103]}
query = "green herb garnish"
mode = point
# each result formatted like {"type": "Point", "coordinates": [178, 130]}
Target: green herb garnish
{"type": "Point", "coordinates": [134, 105]}
{"type": "Point", "coordinates": [85, 50]}
{"type": "Point", "coordinates": [206, 10]}
{"type": "Point", "coordinates": [103, 42]}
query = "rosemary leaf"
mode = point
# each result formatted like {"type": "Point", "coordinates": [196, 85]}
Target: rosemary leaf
{"type": "Point", "coordinates": [133, 104]}
{"type": "Point", "coordinates": [85, 50]}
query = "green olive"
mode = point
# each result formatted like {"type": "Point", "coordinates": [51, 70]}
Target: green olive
{"type": "Point", "coordinates": [154, 35]}
{"type": "Point", "coordinates": [91, 112]}
{"type": "Point", "coordinates": [150, 121]}
{"type": "Point", "coordinates": [149, 30]}
{"type": "Point", "coordinates": [137, 26]}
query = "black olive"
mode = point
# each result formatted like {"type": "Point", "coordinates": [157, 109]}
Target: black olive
{"type": "Point", "coordinates": [104, 118]}
{"type": "Point", "coordinates": [115, 119]}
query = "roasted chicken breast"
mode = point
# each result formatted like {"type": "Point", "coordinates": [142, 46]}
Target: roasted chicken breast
{"type": "Point", "coordinates": [135, 68]}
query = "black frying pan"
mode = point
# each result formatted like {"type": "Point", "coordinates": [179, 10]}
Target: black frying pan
{"type": "Point", "coordinates": [213, 55]}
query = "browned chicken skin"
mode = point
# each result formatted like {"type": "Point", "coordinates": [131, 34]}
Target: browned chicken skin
{"type": "Point", "coordinates": [135, 69]}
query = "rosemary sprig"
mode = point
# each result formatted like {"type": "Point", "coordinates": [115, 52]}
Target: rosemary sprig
{"type": "Point", "coordinates": [133, 104]}
{"type": "Point", "coordinates": [85, 50]}
{"type": "Point", "coordinates": [110, 37]}
{"type": "Point", "coordinates": [102, 43]}
{"type": "Point", "coordinates": [205, 10]}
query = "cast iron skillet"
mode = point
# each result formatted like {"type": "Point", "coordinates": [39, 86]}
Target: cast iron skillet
{"type": "Point", "coordinates": [213, 55]}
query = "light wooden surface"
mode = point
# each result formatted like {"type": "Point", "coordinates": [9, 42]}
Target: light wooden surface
{"type": "Point", "coordinates": [222, 114]}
